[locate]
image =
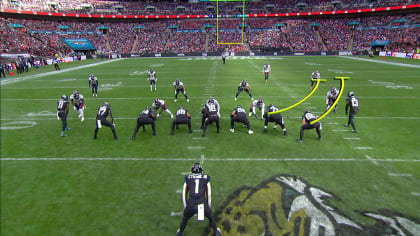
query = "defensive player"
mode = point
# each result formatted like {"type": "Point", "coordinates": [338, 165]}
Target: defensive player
{"type": "Point", "coordinates": [179, 87]}
{"type": "Point", "coordinates": [239, 115]}
{"type": "Point", "coordinates": [352, 102]}
{"type": "Point", "coordinates": [196, 197]}
{"type": "Point", "coordinates": [244, 86]}
{"type": "Point", "coordinates": [266, 71]}
{"type": "Point", "coordinates": [331, 98]}
{"type": "Point", "coordinates": [203, 118]}
{"type": "Point", "coordinates": [162, 105]}
{"type": "Point", "coordinates": [78, 103]}
{"type": "Point", "coordinates": [152, 77]}
{"type": "Point", "coordinates": [307, 118]}
{"type": "Point", "coordinates": [103, 112]}
{"type": "Point", "coordinates": [257, 104]}
{"type": "Point", "coordinates": [93, 83]}
{"type": "Point", "coordinates": [182, 116]}
{"type": "Point", "coordinates": [146, 117]}
{"type": "Point", "coordinates": [62, 111]}
{"type": "Point", "coordinates": [315, 75]}
{"type": "Point", "coordinates": [276, 118]}
{"type": "Point", "coordinates": [210, 112]}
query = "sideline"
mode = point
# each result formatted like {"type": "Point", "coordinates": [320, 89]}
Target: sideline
{"type": "Point", "coordinates": [383, 62]}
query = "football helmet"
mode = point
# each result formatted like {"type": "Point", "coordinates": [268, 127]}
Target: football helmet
{"type": "Point", "coordinates": [307, 111]}
{"type": "Point", "coordinates": [64, 97]}
{"type": "Point", "coordinates": [157, 101]}
{"type": "Point", "coordinates": [243, 82]}
{"type": "Point", "coordinates": [350, 94]}
{"type": "Point", "coordinates": [260, 100]}
{"type": "Point", "coordinates": [177, 81]}
{"type": "Point", "coordinates": [211, 100]}
{"type": "Point", "coordinates": [181, 107]}
{"type": "Point", "coordinates": [197, 168]}
{"type": "Point", "coordinates": [91, 75]}
{"type": "Point", "coordinates": [105, 104]}
{"type": "Point", "coordinates": [239, 106]}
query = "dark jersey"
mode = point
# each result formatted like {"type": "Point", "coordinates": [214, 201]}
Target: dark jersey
{"type": "Point", "coordinates": [103, 112]}
{"type": "Point", "coordinates": [240, 112]}
{"type": "Point", "coordinates": [148, 113]}
{"type": "Point", "coordinates": [62, 105]}
{"type": "Point", "coordinates": [210, 109]}
{"type": "Point", "coordinates": [353, 103]}
{"type": "Point", "coordinates": [309, 117]}
{"type": "Point", "coordinates": [181, 113]}
{"type": "Point", "coordinates": [197, 188]}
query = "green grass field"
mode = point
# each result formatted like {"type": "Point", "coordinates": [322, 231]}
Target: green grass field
{"type": "Point", "coordinates": [74, 185]}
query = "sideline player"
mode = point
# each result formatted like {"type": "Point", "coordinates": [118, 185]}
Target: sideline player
{"type": "Point", "coordinates": [266, 71]}
{"type": "Point", "coordinates": [244, 86]}
{"type": "Point", "coordinates": [257, 104]}
{"type": "Point", "coordinates": [307, 118]}
{"type": "Point", "coordinates": [78, 103]}
{"type": "Point", "coordinates": [179, 87]}
{"type": "Point", "coordinates": [103, 112]}
{"type": "Point", "coordinates": [62, 111]}
{"type": "Point", "coordinates": [224, 57]}
{"type": "Point", "coordinates": [239, 115]}
{"type": "Point", "coordinates": [276, 118]}
{"type": "Point", "coordinates": [315, 75]}
{"type": "Point", "coordinates": [152, 78]}
{"type": "Point", "coordinates": [216, 103]}
{"type": "Point", "coordinates": [182, 116]}
{"type": "Point", "coordinates": [196, 188]}
{"type": "Point", "coordinates": [211, 115]}
{"type": "Point", "coordinates": [163, 107]}
{"type": "Point", "coordinates": [93, 83]}
{"type": "Point", "coordinates": [146, 117]}
{"type": "Point", "coordinates": [332, 97]}
{"type": "Point", "coordinates": [352, 102]}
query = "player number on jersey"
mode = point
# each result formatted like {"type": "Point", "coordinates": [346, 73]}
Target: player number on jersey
{"type": "Point", "coordinates": [354, 102]}
{"type": "Point", "coordinates": [212, 107]}
{"type": "Point", "coordinates": [180, 112]}
{"type": "Point", "coordinates": [102, 110]}
{"type": "Point", "coordinates": [60, 104]}
{"type": "Point", "coordinates": [197, 183]}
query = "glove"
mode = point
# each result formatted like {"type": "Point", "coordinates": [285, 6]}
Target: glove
{"type": "Point", "coordinates": [74, 107]}
{"type": "Point", "coordinates": [175, 92]}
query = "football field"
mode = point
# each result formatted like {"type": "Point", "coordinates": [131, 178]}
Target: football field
{"type": "Point", "coordinates": [262, 184]}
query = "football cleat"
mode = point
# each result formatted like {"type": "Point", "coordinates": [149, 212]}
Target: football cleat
{"type": "Point", "coordinates": [95, 137]}
{"type": "Point", "coordinates": [172, 133]}
{"type": "Point", "coordinates": [218, 232]}
{"type": "Point", "coordinates": [319, 138]}
{"type": "Point", "coordinates": [265, 130]}
{"type": "Point", "coordinates": [188, 100]}
{"type": "Point", "coordinates": [172, 116]}
{"type": "Point", "coordinates": [251, 98]}
{"type": "Point", "coordinates": [175, 100]}
{"type": "Point", "coordinates": [203, 135]}
{"type": "Point", "coordinates": [116, 137]}
{"type": "Point", "coordinates": [235, 98]}
{"type": "Point", "coordinates": [132, 137]}
{"type": "Point", "coordinates": [347, 125]}
{"type": "Point", "coordinates": [158, 115]}
{"type": "Point", "coordinates": [82, 119]}
{"type": "Point", "coordinates": [67, 128]}
{"type": "Point", "coordinates": [178, 233]}
{"type": "Point", "coordinates": [285, 133]}
{"type": "Point", "coordinates": [191, 131]}
{"type": "Point", "coordinates": [299, 141]}
{"type": "Point", "coordinates": [154, 133]}
{"type": "Point", "coordinates": [250, 114]}
{"type": "Point", "coordinates": [232, 130]}
{"type": "Point", "coordinates": [354, 131]}
{"type": "Point", "coordinates": [250, 132]}
{"type": "Point", "coordinates": [62, 134]}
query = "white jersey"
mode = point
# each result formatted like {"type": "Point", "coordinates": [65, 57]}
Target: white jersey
{"type": "Point", "coordinates": [316, 75]}
{"type": "Point", "coordinates": [242, 86]}
{"type": "Point", "coordinates": [152, 75]}
{"type": "Point", "coordinates": [332, 95]}
{"type": "Point", "coordinates": [267, 68]}
{"type": "Point", "coordinates": [255, 104]}
{"type": "Point", "coordinates": [216, 103]}
{"type": "Point", "coordinates": [160, 103]}
{"type": "Point", "coordinates": [77, 101]}
{"type": "Point", "coordinates": [179, 86]}
{"type": "Point", "coordinates": [93, 80]}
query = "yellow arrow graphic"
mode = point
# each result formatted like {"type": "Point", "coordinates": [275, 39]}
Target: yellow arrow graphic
{"type": "Point", "coordinates": [307, 96]}
{"type": "Point", "coordinates": [336, 101]}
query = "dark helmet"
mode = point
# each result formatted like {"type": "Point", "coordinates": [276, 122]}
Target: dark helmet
{"type": "Point", "coordinates": [157, 101]}
{"type": "Point", "coordinates": [151, 69]}
{"type": "Point", "coordinates": [105, 104]}
{"type": "Point", "coordinates": [197, 168]}
{"type": "Point", "coordinates": [307, 111]}
{"type": "Point", "coordinates": [243, 82]}
{"type": "Point", "coordinates": [260, 100]}
{"type": "Point", "coordinates": [91, 75]}
{"type": "Point", "coordinates": [177, 81]}
{"type": "Point", "coordinates": [211, 100]}
{"type": "Point", "coordinates": [350, 94]}
{"type": "Point", "coordinates": [64, 97]}
{"type": "Point", "coordinates": [239, 106]}
{"type": "Point", "coordinates": [76, 94]}
{"type": "Point", "coordinates": [181, 107]}
{"type": "Point", "coordinates": [271, 105]}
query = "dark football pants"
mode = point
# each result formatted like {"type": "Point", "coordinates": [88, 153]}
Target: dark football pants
{"type": "Point", "coordinates": [210, 120]}
{"type": "Point", "coordinates": [351, 118]}
{"type": "Point", "coordinates": [63, 117]}
{"type": "Point", "coordinates": [183, 92]}
{"type": "Point", "coordinates": [192, 209]}
{"type": "Point", "coordinates": [142, 122]}
{"type": "Point", "coordinates": [317, 126]}
{"type": "Point", "coordinates": [242, 89]}
{"type": "Point", "coordinates": [179, 121]}
{"type": "Point", "coordinates": [239, 119]}
{"type": "Point", "coordinates": [106, 123]}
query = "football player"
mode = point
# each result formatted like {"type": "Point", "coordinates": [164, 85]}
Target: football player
{"type": "Point", "coordinates": [315, 75]}
{"type": "Point", "coordinates": [78, 103]}
{"type": "Point", "coordinates": [152, 78]}
{"type": "Point", "coordinates": [266, 71]}
{"type": "Point", "coordinates": [331, 98]}
{"type": "Point", "coordinates": [244, 86]}
{"type": "Point", "coordinates": [62, 111]}
{"type": "Point", "coordinates": [182, 116]}
{"type": "Point", "coordinates": [93, 83]}
{"type": "Point", "coordinates": [352, 102]}
{"type": "Point", "coordinates": [203, 110]}
{"type": "Point", "coordinates": [146, 117]}
{"type": "Point", "coordinates": [103, 112]}
{"type": "Point", "coordinates": [196, 197]}
{"type": "Point", "coordinates": [211, 115]}
{"type": "Point", "coordinates": [276, 118]}
{"type": "Point", "coordinates": [239, 115]}
{"type": "Point", "coordinates": [257, 104]}
{"type": "Point", "coordinates": [224, 57]}
{"type": "Point", "coordinates": [307, 118]}
{"type": "Point", "coordinates": [162, 105]}
{"type": "Point", "coordinates": [179, 87]}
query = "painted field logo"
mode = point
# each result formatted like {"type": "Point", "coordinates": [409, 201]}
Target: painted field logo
{"type": "Point", "coordinates": [287, 205]}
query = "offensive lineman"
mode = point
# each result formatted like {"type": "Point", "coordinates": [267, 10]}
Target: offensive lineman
{"type": "Point", "coordinates": [152, 78]}
{"type": "Point", "coordinates": [257, 104]}
{"type": "Point", "coordinates": [266, 71]}
{"type": "Point", "coordinates": [276, 118]}
{"type": "Point", "coordinates": [211, 115]}
{"type": "Point", "coordinates": [182, 116]}
{"type": "Point", "coordinates": [306, 119]}
{"type": "Point", "coordinates": [244, 86]}
{"type": "Point", "coordinates": [239, 115]}
{"type": "Point", "coordinates": [197, 187]}
{"type": "Point", "coordinates": [332, 97]}
{"type": "Point", "coordinates": [315, 75]}
{"type": "Point", "coordinates": [216, 103]}
{"type": "Point", "coordinates": [62, 111]}
{"type": "Point", "coordinates": [103, 112]}
{"type": "Point", "coordinates": [146, 117]}
{"type": "Point", "coordinates": [93, 83]}
{"type": "Point", "coordinates": [163, 107]}
{"type": "Point", "coordinates": [78, 103]}
{"type": "Point", "coordinates": [179, 87]}
{"type": "Point", "coordinates": [352, 102]}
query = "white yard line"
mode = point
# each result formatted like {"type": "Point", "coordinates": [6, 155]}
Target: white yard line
{"type": "Point", "coordinates": [340, 130]}
{"type": "Point", "coordinates": [196, 148]}
{"type": "Point", "coordinates": [350, 138]}
{"type": "Point", "coordinates": [399, 175]}
{"type": "Point", "coordinates": [416, 194]}
{"type": "Point", "coordinates": [374, 161]}
{"type": "Point", "coordinates": [176, 213]}
{"type": "Point", "coordinates": [383, 62]}
{"type": "Point", "coordinates": [363, 148]}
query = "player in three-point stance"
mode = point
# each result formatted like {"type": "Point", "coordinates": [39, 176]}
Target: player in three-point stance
{"type": "Point", "coordinates": [307, 118]}
{"type": "Point", "coordinates": [182, 116]}
{"type": "Point", "coordinates": [352, 102]}
{"type": "Point", "coordinates": [276, 118]}
{"type": "Point", "coordinates": [210, 112]}
{"type": "Point", "coordinates": [204, 116]}
{"type": "Point", "coordinates": [158, 103]}
{"type": "Point", "coordinates": [179, 87]}
{"type": "Point", "coordinates": [62, 111]}
{"type": "Point", "coordinates": [146, 117]}
{"type": "Point", "coordinates": [78, 103]}
{"type": "Point", "coordinates": [93, 83]}
{"type": "Point", "coordinates": [243, 86]}
{"type": "Point", "coordinates": [266, 71]}
{"type": "Point", "coordinates": [257, 104]}
{"type": "Point", "coordinates": [315, 75]}
{"type": "Point", "coordinates": [196, 197]}
{"type": "Point", "coordinates": [152, 77]}
{"type": "Point", "coordinates": [103, 112]}
{"type": "Point", "coordinates": [239, 115]}
{"type": "Point", "coordinates": [332, 97]}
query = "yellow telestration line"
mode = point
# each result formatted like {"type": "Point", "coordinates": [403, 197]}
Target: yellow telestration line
{"type": "Point", "coordinates": [336, 101]}
{"type": "Point", "coordinates": [305, 98]}
{"type": "Point", "coordinates": [217, 23]}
